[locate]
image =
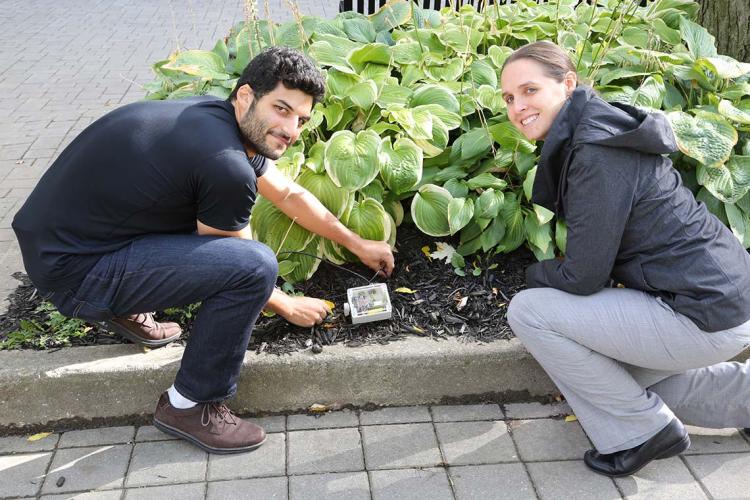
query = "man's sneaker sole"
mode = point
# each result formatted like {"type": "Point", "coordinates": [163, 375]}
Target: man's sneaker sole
{"type": "Point", "coordinates": [221, 451]}
{"type": "Point", "coordinates": [124, 332]}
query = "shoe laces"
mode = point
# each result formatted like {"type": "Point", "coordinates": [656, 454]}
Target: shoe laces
{"type": "Point", "coordinates": [217, 412]}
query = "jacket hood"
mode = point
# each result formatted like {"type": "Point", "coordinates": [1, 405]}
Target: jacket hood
{"type": "Point", "coordinates": [587, 119]}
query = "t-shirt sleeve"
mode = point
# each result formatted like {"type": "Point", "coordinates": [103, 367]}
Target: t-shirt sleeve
{"type": "Point", "coordinates": [226, 188]}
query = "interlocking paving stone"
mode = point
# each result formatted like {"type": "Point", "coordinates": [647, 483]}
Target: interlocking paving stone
{"type": "Point", "coordinates": [166, 462]}
{"type": "Point", "coordinates": [22, 475]}
{"type": "Point", "coordinates": [192, 491]}
{"type": "Point", "coordinates": [97, 437]}
{"type": "Point", "coordinates": [715, 441]}
{"type": "Point", "coordinates": [343, 418]}
{"type": "Point", "coordinates": [491, 481]}
{"type": "Point", "coordinates": [400, 445]}
{"type": "Point", "coordinates": [536, 410]}
{"type": "Point", "coordinates": [724, 475]}
{"type": "Point", "coordinates": [88, 495]}
{"type": "Point", "coordinates": [151, 433]}
{"type": "Point", "coordinates": [21, 444]}
{"type": "Point", "coordinates": [570, 480]}
{"type": "Point", "coordinates": [92, 468]}
{"type": "Point", "coordinates": [456, 413]}
{"type": "Point", "coordinates": [475, 442]}
{"type": "Point", "coordinates": [266, 488]}
{"type": "Point", "coordinates": [410, 484]}
{"type": "Point", "coordinates": [348, 485]}
{"type": "Point", "coordinates": [549, 439]}
{"type": "Point", "coordinates": [395, 415]}
{"type": "Point", "coordinates": [661, 480]}
{"type": "Point", "coordinates": [268, 460]}
{"type": "Point", "coordinates": [325, 450]}
{"type": "Point", "coordinates": [275, 423]}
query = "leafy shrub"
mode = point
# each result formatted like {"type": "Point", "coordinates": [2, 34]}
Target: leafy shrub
{"type": "Point", "coordinates": [413, 111]}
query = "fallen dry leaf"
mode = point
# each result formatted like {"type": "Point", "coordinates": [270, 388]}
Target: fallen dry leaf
{"type": "Point", "coordinates": [426, 252]}
{"type": "Point", "coordinates": [318, 408]}
{"type": "Point", "coordinates": [38, 436]}
{"type": "Point", "coordinates": [403, 289]}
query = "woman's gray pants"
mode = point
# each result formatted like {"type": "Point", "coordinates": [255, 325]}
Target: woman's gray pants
{"type": "Point", "coordinates": [627, 363]}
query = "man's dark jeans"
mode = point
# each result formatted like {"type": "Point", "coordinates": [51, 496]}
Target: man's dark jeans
{"type": "Point", "coordinates": [233, 278]}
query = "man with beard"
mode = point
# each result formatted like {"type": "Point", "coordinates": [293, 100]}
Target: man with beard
{"type": "Point", "coordinates": [148, 208]}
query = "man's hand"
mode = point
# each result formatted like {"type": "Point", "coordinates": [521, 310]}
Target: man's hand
{"type": "Point", "coordinates": [300, 311]}
{"type": "Point", "coordinates": [376, 255]}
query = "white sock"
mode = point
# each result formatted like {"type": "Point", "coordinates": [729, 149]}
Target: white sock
{"type": "Point", "coordinates": [178, 400]}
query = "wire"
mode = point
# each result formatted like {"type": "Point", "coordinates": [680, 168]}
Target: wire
{"type": "Point", "coordinates": [332, 264]}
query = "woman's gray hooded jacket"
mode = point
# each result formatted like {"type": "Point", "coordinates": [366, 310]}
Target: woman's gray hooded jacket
{"type": "Point", "coordinates": [630, 218]}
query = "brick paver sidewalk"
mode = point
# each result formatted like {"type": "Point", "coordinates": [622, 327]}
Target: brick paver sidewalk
{"type": "Point", "coordinates": [438, 452]}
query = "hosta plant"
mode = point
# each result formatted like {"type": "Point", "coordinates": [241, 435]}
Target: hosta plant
{"type": "Point", "coordinates": [414, 116]}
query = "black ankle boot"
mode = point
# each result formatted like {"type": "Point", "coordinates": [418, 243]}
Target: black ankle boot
{"type": "Point", "coordinates": [668, 442]}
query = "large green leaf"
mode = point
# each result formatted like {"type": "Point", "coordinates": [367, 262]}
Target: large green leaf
{"type": "Point", "coordinates": [489, 203]}
{"type": "Point", "coordinates": [351, 160]}
{"type": "Point", "coordinates": [492, 234]}
{"type": "Point", "coordinates": [360, 30]}
{"type": "Point", "coordinates": [726, 67]}
{"type": "Point", "coordinates": [539, 237]}
{"type": "Point", "coordinates": [462, 39]}
{"type": "Point", "coordinates": [394, 96]}
{"type": "Point", "coordinates": [651, 93]}
{"type": "Point", "coordinates": [272, 227]}
{"type": "Point", "coordinates": [323, 188]}
{"type": "Point", "coordinates": [708, 137]}
{"type": "Point", "coordinates": [401, 165]}
{"type": "Point", "coordinates": [364, 94]}
{"type": "Point", "coordinates": [290, 166]}
{"type": "Point", "coordinates": [304, 266]}
{"type": "Point", "coordinates": [376, 53]}
{"type": "Point", "coordinates": [434, 94]}
{"type": "Point", "coordinates": [736, 115]}
{"type": "Point", "coordinates": [429, 210]}
{"type": "Point", "coordinates": [333, 53]}
{"type": "Point", "coordinates": [339, 83]}
{"type": "Point", "coordinates": [512, 214]}
{"type": "Point", "coordinates": [369, 220]}
{"type": "Point", "coordinates": [739, 223]}
{"type": "Point", "coordinates": [728, 182]}
{"type": "Point", "coordinates": [391, 15]}
{"type": "Point", "coordinates": [509, 137]}
{"type": "Point", "coordinates": [460, 212]}
{"type": "Point", "coordinates": [196, 64]}
{"type": "Point", "coordinates": [483, 73]}
{"type": "Point", "coordinates": [699, 41]}
{"type": "Point", "coordinates": [474, 143]}
{"type": "Point", "coordinates": [485, 181]}
{"type": "Point", "coordinates": [416, 122]}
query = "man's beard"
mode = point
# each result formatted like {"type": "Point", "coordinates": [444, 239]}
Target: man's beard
{"type": "Point", "coordinates": [254, 131]}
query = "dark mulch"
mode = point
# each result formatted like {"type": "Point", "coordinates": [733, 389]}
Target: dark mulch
{"type": "Point", "coordinates": [435, 310]}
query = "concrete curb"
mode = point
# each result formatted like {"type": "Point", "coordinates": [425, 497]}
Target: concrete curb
{"type": "Point", "coordinates": [87, 383]}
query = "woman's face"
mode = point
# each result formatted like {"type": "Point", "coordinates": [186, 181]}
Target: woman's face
{"type": "Point", "coordinates": [533, 98]}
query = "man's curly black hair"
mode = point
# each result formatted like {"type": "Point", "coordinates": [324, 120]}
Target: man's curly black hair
{"type": "Point", "coordinates": [281, 64]}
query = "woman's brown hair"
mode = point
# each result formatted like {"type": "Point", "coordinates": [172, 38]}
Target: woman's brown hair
{"type": "Point", "coordinates": [555, 61]}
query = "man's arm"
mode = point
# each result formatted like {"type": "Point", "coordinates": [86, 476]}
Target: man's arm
{"type": "Point", "coordinates": [305, 209]}
{"type": "Point", "coordinates": [301, 311]}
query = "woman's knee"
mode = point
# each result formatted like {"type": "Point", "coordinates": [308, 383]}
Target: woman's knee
{"type": "Point", "coordinates": [526, 309]}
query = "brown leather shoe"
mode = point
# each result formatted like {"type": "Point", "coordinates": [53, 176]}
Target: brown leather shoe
{"type": "Point", "coordinates": [211, 426]}
{"type": "Point", "coordinates": [144, 329]}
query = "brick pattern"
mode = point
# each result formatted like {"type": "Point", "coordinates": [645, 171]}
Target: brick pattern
{"type": "Point", "coordinates": [65, 64]}
{"type": "Point", "coordinates": [474, 455]}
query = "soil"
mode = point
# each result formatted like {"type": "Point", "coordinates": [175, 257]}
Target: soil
{"type": "Point", "coordinates": [443, 304]}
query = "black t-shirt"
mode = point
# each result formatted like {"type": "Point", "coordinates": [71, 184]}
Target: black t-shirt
{"type": "Point", "coordinates": [148, 167]}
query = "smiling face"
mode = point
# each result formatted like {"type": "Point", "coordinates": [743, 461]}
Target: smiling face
{"type": "Point", "coordinates": [532, 97]}
{"type": "Point", "coordinates": [272, 123]}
